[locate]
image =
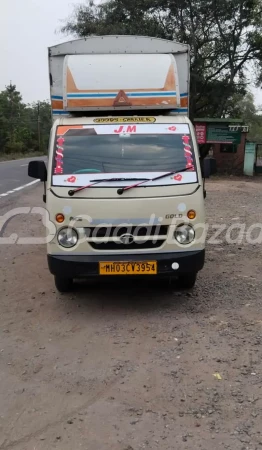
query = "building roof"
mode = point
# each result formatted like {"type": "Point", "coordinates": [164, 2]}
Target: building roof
{"type": "Point", "coordinates": [216, 120]}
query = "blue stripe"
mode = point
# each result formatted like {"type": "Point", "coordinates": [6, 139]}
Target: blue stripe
{"type": "Point", "coordinates": [155, 94]}
{"type": "Point", "coordinates": [129, 94]}
{"type": "Point", "coordinates": [90, 95]}
{"type": "Point", "coordinates": [60, 112]}
{"type": "Point", "coordinates": [180, 110]}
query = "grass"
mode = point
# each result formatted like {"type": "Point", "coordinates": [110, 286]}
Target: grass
{"type": "Point", "coordinates": [13, 156]}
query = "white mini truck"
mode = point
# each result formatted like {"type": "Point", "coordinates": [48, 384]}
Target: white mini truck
{"type": "Point", "coordinates": [123, 186]}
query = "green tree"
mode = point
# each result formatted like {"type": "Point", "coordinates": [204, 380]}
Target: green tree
{"type": "Point", "coordinates": [250, 114]}
{"type": "Point", "coordinates": [11, 115]}
{"type": "Point", "coordinates": [23, 128]}
{"type": "Point", "coordinates": [224, 36]}
{"type": "Point", "coordinates": [39, 114]}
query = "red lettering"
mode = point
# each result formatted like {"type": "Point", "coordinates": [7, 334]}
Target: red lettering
{"type": "Point", "coordinates": [121, 129]}
{"type": "Point", "coordinates": [131, 129]}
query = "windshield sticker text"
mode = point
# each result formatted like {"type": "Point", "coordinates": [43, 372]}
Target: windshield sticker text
{"type": "Point", "coordinates": [125, 120]}
{"type": "Point", "coordinates": [129, 129]}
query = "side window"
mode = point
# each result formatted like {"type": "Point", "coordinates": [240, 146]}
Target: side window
{"type": "Point", "coordinates": [228, 148]}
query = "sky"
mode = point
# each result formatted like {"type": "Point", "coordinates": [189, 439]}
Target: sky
{"type": "Point", "coordinates": [27, 29]}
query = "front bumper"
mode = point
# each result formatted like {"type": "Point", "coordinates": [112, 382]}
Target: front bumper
{"type": "Point", "coordinates": [84, 266]}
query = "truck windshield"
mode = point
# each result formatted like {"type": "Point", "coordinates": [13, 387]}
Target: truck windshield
{"type": "Point", "coordinates": [115, 149]}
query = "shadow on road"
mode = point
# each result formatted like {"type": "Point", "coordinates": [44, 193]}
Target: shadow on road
{"type": "Point", "coordinates": [126, 296]}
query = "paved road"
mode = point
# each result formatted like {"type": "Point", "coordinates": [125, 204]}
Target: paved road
{"type": "Point", "coordinates": [13, 175]}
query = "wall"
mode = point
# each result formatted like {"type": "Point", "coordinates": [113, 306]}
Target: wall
{"type": "Point", "coordinates": [250, 158]}
{"type": "Point", "coordinates": [230, 162]}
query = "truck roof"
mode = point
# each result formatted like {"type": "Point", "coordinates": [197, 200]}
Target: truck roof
{"type": "Point", "coordinates": [117, 44]}
{"type": "Point", "coordinates": [172, 118]}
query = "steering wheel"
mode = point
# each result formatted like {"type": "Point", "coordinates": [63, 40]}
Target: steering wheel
{"type": "Point", "coordinates": [88, 171]}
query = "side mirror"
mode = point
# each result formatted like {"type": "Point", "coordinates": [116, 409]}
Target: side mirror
{"type": "Point", "coordinates": [37, 169]}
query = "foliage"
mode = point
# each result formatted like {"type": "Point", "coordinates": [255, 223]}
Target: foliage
{"type": "Point", "coordinates": [23, 128]}
{"type": "Point", "coordinates": [224, 37]}
{"type": "Point", "coordinates": [250, 114]}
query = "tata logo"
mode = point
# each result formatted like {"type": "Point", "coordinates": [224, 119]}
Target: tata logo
{"type": "Point", "coordinates": [127, 239]}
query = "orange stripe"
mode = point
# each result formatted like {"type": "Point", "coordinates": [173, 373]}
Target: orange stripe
{"type": "Point", "coordinates": [57, 104]}
{"type": "Point", "coordinates": [62, 130]}
{"type": "Point", "coordinates": [109, 102]}
{"type": "Point", "coordinates": [184, 102]}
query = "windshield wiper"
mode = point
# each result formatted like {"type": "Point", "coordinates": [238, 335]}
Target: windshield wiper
{"type": "Point", "coordinates": [72, 192]}
{"type": "Point", "coordinates": [127, 188]}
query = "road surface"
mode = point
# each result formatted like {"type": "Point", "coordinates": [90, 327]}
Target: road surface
{"type": "Point", "coordinates": [13, 175]}
{"type": "Point", "coordinates": [132, 366]}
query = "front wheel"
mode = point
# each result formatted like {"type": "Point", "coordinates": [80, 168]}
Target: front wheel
{"type": "Point", "coordinates": [63, 284]}
{"type": "Point", "coordinates": [187, 280]}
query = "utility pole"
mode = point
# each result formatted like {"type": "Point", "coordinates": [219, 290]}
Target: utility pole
{"type": "Point", "coordinates": [11, 114]}
{"type": "Point", "coordinates": [38, 127]}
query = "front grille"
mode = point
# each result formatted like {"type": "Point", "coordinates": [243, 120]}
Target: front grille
{"type": "Point", "coordinates": [139, 231]}
{"type": "Point", "coordinates": [119, 246]}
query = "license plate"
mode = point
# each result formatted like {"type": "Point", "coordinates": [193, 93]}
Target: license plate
{"type": "Point", "coordinates": [128, 268]}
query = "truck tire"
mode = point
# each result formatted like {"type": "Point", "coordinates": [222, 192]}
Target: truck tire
{"type": "Point", "coordinates": [187, 280]}
{"type": "Point", "coordinates": [63, 284]}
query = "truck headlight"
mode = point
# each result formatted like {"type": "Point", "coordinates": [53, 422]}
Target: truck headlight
{"type": "Point", "coordinates": [184, 234]}
{"type": "Point", "coordinates": [67, 237]}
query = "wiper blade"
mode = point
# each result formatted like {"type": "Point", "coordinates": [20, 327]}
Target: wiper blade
{"type": "Point", "coordinates": [72, 192]}
{"type": "Point", "coordinates": [121, 179]}
{"type": "Point", "coordinates": [127, 188]}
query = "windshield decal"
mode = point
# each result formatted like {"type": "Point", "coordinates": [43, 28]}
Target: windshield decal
{"type": "Point", "coordinates": [178, 177]}
{"type": "Point", "coordinates": [71, 179]}
{"type": "Point", "coordinates": [153, 128]}
{"type": "Point", "coordinates": [59, 155]}
{"type": "Point", "coordinates": [188, 153]}
{"type": "Point", "coordinates": [63, 129]}
{"type": "Point", "coordinates": [85, 179]}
